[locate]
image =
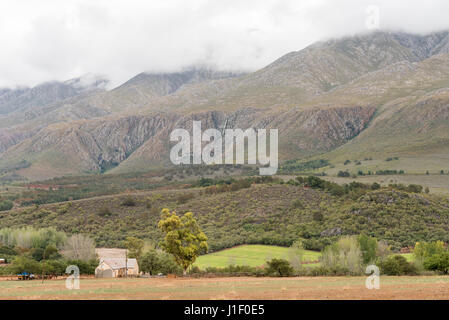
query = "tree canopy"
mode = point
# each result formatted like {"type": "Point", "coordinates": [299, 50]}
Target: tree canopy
{"type": "Point", "coordinates": [183, 237]}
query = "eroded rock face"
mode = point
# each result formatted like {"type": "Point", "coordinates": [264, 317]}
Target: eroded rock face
{"type": "Point", "coordinates": [100, 143]}
{"type": "Point", "coordinates": [318, 98]}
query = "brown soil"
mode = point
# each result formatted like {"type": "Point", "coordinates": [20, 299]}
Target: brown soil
{"type": "Point", "coordinates": [231, 288]}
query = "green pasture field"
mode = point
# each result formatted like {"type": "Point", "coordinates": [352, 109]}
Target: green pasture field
{"type": "Point", "coordinates": [249, 255]}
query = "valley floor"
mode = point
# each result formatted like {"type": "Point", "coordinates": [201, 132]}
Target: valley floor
{"type": "Point", "coordinates": [341, 288]}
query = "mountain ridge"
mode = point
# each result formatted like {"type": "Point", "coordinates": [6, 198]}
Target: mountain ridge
{"type": "Point", "coordinates": [320, 98]}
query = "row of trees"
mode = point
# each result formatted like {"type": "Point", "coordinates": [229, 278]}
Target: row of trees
{"type": "Point", "coordinates": [46, 251]}
{"type": "Point", "coordinates": [352, 254]}
{"type": "Point", "coordinates": [50, 251]}
{"type": "Point", "coordinates": [348, 255]}
{"type": "Point", "coordinates": [432, 256]}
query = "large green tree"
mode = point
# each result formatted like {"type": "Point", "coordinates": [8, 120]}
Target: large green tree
{"type": "Point", "coordinates": [183, 237]}
{"type": "Point", "coordinates": [368, 246]}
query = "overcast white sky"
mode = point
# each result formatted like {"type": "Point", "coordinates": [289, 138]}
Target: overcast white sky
{"type": "Point", "coordinates": [60, 39]}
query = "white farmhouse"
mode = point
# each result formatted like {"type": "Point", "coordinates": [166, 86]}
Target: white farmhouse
{"type": "Point", "coordinates": [117, 267]}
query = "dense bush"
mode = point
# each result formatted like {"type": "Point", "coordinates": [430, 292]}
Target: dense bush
{"type": "Point", "coordinates": [261, 214]}
{"type": "Point", "coordinates": [129, 201]}
{"type": "Point", "coordinates": [49, 266]}
{"type": "Point", "coordinates": [389, 172]}
{"type": "Point", "coordinates": [368, 247]}
{"type": "Point", "coordinates": [397, 266]}
{"type": "Point", "coordinates": [5, 250]}
{"type": "Point", "coordinates": [296, 166]}
{"type": "Point", "coordinates": [233, 186]}
{"type": "Point", "coordinates": [86, 267]}
{"type": "Point", "coordinates": [53, 267]}
{"type": "Point", "coordinates": [6, 205]}
{"type": "Point", "coordinates": [24, 264]}
{"type": "Point", "coordinates": [415, 188]}
{"type": "Point", "coordinates": [37, 251]}
{"type": "Point", "coordinates": [424, 250]}
{"type": "Point", "coordinates": [156, 261]}
{"type": "Point", "coordinates": [438, 262]}
{"type": "Point", "coordinates": [343, 174]}
{"type": "Point", "coordinates": [354, 189]}
{"type": "Point", "coordinates": [297, 204]}
{"type": "Point", "coordinates": [226, 185]}
{"type": "Point", "coordinates": [81, 187]}
{"type": "Point", "coordinates": [232, 270]}
{"type": "Point", "coordinates": [104, 212]}
{"type": "Point", "coordinates": [432, 256]}
{"type": "Point", "coordinates": [51, 252]}
{"type": "Point", "coordinates": [279, 268]}
{"type": "Point", "coordinates": [317, 216]}
{"type": "Point", "coordinates": [375, 186]}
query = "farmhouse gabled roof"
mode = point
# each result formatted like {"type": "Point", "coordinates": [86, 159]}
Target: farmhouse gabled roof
{"type": "Point", "coordinates": [120, 263]}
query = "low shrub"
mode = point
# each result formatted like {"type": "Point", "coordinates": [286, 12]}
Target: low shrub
{"type": "Point", "coordinates": [279, 268]}
{"type": "Point", "coordinates": [397, 266]}
{"type": "Point", "coordinates": [297, 204]}
{"type": "Point", "coordinates": [129, 201]}
{"type": "Point", "coordinates": [104, 212]}
{"type": "Point", "coordinates": [185, 197]}
{"type": "Point", "coordinates": [343, 174]}
{"type": "Point", "coordinates": [6, 205]}
{"type": "Point", "coordinates": [231, 270]}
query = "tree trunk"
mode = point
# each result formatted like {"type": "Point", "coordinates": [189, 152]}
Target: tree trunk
{"type": "Point", "coordinates": [184, 272]}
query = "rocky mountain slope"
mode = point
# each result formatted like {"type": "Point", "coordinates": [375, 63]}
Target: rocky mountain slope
{"type": "Point", "coordinates": [27, 99]}
{"type": "Point", "coordinates": [359, 94]}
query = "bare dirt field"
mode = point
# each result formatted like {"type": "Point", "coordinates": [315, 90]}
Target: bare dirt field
{"type": "Point", "coordinates": [431, 287]}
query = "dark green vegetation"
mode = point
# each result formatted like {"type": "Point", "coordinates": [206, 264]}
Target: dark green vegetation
{"type": "Point", "coordinates": [348, 255]}
{"type": "Point", "coordinates": [273, 268]}
{"type": "Point", "coordinates": [155, 261]}
{"type": "Point", "coordinates": [43, 252]}
{"type": "Point", "coordinates": [6, 205]}
{"type": "Point", "coordinates": [438, 262]}
{"type": "Point", "coordinates": [47, 252]}
{"type": "Point", "coordinates": [47, 267]}
{"type": "Point", "coordinates": [295, 166]}
{"type": "Point", "coordinates": [266, 213]}
{"type": "Point", "coordinates": [279, 268]}
{"type": "Point", "coordinates": [82, 187]}
{"type": "Point", "coordinates": [397, 266]}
